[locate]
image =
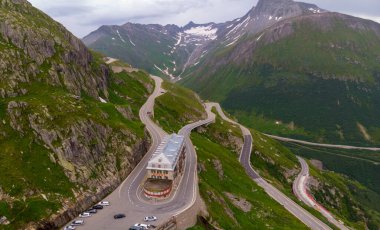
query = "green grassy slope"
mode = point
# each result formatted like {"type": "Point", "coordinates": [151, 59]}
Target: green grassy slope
{"type": "Point", "coordinates": [177, 108]}
{"type": "Point", "coordinates": [320, 81]}
{"type": "Point", "coordinates": [221, 141]}
{"type": "Point", "coordinates": [362, 166]}
{"type": "Point", "coordinates": [265, 213]}
{"type": "Point", "coordinates": [150, 46]}
{"type": "Point", "coordinates": [349, 200]}
{"type": "Point", "coordinates": [58, 141]}
{"type": "Point", "coordinates": [31, 169]}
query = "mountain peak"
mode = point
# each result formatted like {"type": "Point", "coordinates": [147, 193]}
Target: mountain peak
{"type": "Point", "coordinates": [189, 25]}
{"type": "Point", "coordinates": [268, 12]}
{"type": "Point", "coordinates": [285, 8]}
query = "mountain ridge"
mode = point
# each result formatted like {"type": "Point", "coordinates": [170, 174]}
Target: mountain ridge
{"type": "Point", "coordinates": [227, 59]}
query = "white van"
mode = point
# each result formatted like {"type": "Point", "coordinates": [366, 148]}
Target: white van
{"type": "Point", "coordinates": [77, 222]}
{"type": "Point", "coordinates": [85, 214]}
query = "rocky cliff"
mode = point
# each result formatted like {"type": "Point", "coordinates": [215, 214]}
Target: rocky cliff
{"type": "Point", "coordinates": [34, 47]}
{"type": "Point", "coordinates": [69, 127]}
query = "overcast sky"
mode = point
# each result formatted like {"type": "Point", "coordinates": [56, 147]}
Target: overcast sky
{"type": "Point", "coordinates": [83, 16]}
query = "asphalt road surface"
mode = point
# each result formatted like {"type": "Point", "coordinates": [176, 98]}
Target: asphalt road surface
{"type": "Point", "coordinates": [128, 197]}
{"type": "Point", "coordinates": [299, 189]}
{"type": "Point", "coordinates": [303, 215]}
{"type": "Point", "coordinates": [323, 145]}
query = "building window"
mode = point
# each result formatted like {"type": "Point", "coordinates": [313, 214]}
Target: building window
{"type": "Point", "coordinates": [153, 171]}
{"type": "Point", "coordinates": [159, 166]}
{"type": "Point", "coordinates": [166, 177]}
{"type": "Point", "coordinates": [166, 172]}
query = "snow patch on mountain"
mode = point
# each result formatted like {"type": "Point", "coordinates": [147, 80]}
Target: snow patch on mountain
{"type": "Point", "coordinates": [131, 41]}
{"type": "Point", "coordinates": [243, 23]}
{"type": "Point", "coordinates": [203, 31]}
{"type": "Point", "coordinates": [179, 39]}
{"type": "Point", "coordinates": [121, 38]}
{"type": "Point", "coordinates": [233, 41]}
{"type": "Point", "coordinates": [165, 71]}
{"type": "Point", "coordinates": [315, 11]}
{"type": "Point", "coordinates": [257, 39]}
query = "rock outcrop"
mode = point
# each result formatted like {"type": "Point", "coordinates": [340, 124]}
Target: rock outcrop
{"type": "Point", "coordinates": [41, 49]}
{"type": "Point", "coordinates": [52, 120]}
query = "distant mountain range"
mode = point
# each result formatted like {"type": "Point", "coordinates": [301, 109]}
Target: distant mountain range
{"type": "Point", "coordinates": [170, 50]}
{"type": "Point", "coordinates": [285, 67]}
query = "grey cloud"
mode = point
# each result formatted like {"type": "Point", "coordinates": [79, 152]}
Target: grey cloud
{"type": "Point", "coordinates": [68, 11]}
{"type": "Point", "coordinates": [81, 17]}
{"type": "Point", "coordinates": [363, 7]}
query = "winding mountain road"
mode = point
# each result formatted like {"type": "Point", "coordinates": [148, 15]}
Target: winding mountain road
{"type": "Point", "coordinates": [245, 156]}
{"type": "Point", "coordinates": [299, 189]}
{"type": "Point", "coordinates": [128, 198]}
{"type": "Point", "coordinates": [285, 139]}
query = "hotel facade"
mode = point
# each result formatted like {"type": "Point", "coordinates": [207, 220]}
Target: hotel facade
{"type": "Point", "coordinates": [168, 160]}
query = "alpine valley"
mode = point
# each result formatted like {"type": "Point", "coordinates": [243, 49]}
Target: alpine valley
{"type": "Point", "coordinates": [79, 126]}
{"type": "Point", "coordinates": [286, 68]}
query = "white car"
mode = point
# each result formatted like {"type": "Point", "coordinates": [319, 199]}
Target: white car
{"type": "Point", "coordinates": [104, 203]}
{"type": "Point", "coordinates": [85, 214]}
{"type": "Point", "coordinates": [77, 222]}
{"type": "Point", "coordinates": [69, 227]}
{"type": "Point", "coordinates": [145, 226]}
{"type": "Point", "coordinates": [150, 218]}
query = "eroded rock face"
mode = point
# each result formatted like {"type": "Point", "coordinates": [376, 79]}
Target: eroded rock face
{"type": "Point", "coordinates": [43, 51]}
{"type": "Point", "coordinates": [239, 202]}
{"type": "Point", "coordinates": [107, 181]}
{"type": "Point", "coordinates": [45, 72]}
{"type": "Point", "coordinates": [93, 155]}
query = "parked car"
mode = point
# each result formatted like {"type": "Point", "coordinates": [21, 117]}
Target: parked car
{"type": "Point", "coordinates": [150, 218]}
{"type": "Point", "coordinates": [98, 206]}
{"type": "Point", "coordinates": [145, 226]}
{"type": "Point", "coordinates": [136, 228]}
{"type": "Point", "coordinates": [69, 227]}
{"type": "Point", "coordinates": [119, 216]}
{"type": "Point", "coordinates": [104, 203]}
{"type": "Point", "coordinates": [85, 214]}
{"type": "Point", "coordinates": [92, 211]}
{"type": "Point", "coordinates": [77, 222]}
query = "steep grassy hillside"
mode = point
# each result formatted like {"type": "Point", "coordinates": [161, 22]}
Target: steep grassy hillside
{"type": "Point", "coordinates": [36, 166]}
{"type": "Point", "coordinates": [362, 166]}
{"type": "Point", "coordinates": [217, 147]}
{"type": "Point", "coordinates": [314, 77]}
{"type": "Point", "coordinates": [177, 108]}
{"type": "Point", "coordinates": [150, 47]}
{"type": "Point", "coordinates": [223, 181]}
{"type": "Point", "coordinates": [349, 200]}
{"type": "Point", "coordinates": [346, 198]}
{"type": "Point", "coordinates": [69, 128]}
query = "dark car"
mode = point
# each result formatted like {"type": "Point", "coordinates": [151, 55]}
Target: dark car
{"type": "Point", "coordinates": [119, 216]}
{"type": "Point", "coordinates": [93, 210]}
{"type": "Point", "coordinates": [136, 228]}
{"type": "Point", "coordinates": [98, 206]}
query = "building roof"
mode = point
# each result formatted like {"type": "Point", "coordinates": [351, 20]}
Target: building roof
{"type": "Point", "coordinates": [167, 153]}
